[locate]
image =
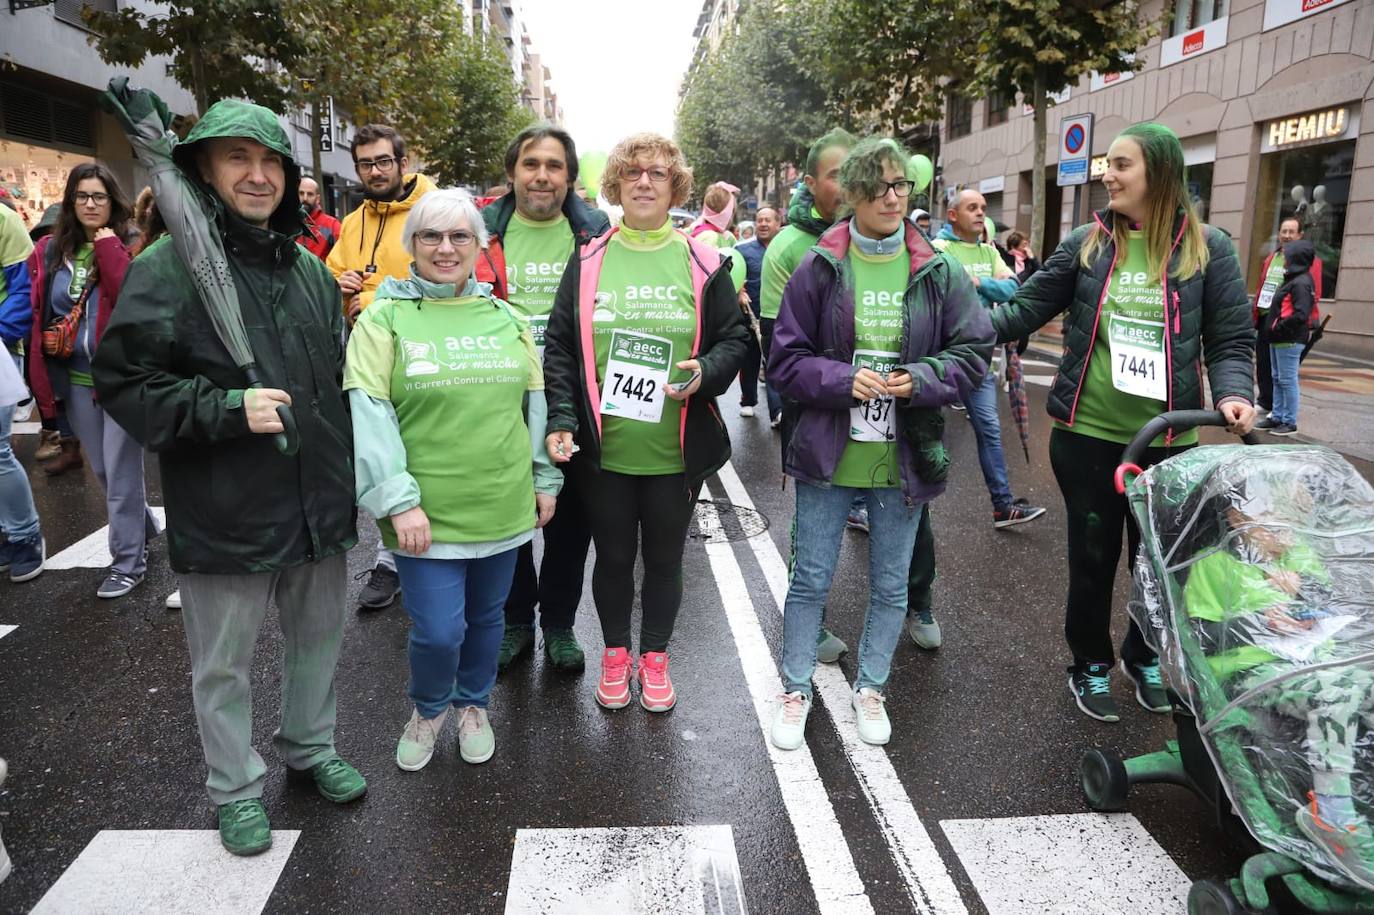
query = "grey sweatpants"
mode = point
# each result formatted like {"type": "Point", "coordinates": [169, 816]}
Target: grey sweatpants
{"type": "Point", "coordinates": [118, 464]}
{"type": "Point", "coordinates": [222, 615]}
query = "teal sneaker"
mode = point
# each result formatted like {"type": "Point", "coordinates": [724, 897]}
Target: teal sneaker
{"type": "Point", "coordinates": [1092, 690]}
{"type": "Point", "coordinates": [562, 650]}
{"type": "Point", "coordinates": [1149, 686]}
{"type": "Point", "coordinates": [829, 647]}
{"type": "Point", "coordinates": [924, 631]}
{"type": "Point", "coordinates": [516, 641]}
{"type": "Point", "coordinates": [243, 827]}
{"type": "Point", "coordinates": [476, 740]}
{"type": "Point", "coordinates": [337, 781]}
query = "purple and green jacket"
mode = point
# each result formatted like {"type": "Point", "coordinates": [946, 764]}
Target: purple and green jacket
{"type": "Point", "coordinates": [947, 343]}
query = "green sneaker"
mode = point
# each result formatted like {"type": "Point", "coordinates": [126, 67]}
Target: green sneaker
{"type": "Point", "coordinates": [516, 641]}
{"type": "Point", "coordinates": [337, 781]}
{"type": "Point", "coordinates": [476, 741]}
{"type": "Point", "coordinates": [562, 650]}
{"type": "Point", "coordinates": [243, 827]}
{"type": "Point", "coordinates": [829, 647]}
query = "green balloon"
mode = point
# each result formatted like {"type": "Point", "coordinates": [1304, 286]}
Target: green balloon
{"type": "Point", "coordinates": [589, 169]}
{"type": "Point", "coordinates": [920, 170]}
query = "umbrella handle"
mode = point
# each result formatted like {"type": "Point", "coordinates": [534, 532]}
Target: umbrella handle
{"type": "Point", "coordinates": [288, 440]}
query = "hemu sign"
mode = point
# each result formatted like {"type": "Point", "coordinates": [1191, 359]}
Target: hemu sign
{"type": "Point", "coordinates": [1282, 12]}
{"type": "Point", "coordinates": [1193, 43]}
{"type": "Point", "coordinates": [1308, 129]}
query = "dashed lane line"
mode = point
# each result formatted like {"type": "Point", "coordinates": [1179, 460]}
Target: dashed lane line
{"type": "Point", "coordinates": [825, 852]}
{"type": "Point", "coordinates": [168, 871]}
{"type": "Point", "coordinates": [1088, 863]}
{"type": "Point", "coordinates": [6, 629]}
{"type": "Point", "coordinates": [686, 870]}
{"type": "Point", "coordinates": [928, 882]}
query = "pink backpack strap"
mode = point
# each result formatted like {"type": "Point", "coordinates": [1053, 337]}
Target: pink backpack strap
{"type": "Point", "coordinates": [592, 255]}
{"type": "Point", "coordinates": [704, 260]}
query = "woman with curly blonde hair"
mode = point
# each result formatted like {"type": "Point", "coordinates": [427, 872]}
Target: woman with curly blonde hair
{"type": "Point", "coordinates": [645, 333]}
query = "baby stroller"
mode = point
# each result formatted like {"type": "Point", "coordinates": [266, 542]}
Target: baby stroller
{"type": "Point", "coordinates": [1255, 585]}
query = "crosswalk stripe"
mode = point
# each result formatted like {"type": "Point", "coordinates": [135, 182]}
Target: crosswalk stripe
{"type": "Point", "coordinates": [1090, 863]}
{"type": "Point", "coordinates": [928, 883]}
{"type": "Point", "coordinates": [93, 550]}
{"type": "Point", "coordinates": [6, 630]}
{"type": "Point", "coordinates": [691, 870]}
{"type": "Point", "coordinates": [168, 871]}
{"type": "Point", "coordinates": [825, 852]}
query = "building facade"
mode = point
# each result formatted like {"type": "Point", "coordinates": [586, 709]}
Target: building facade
{"type": "Point", "coordinates": [503, 21]}
{"type": "Point", "coordinates": [50, 121]}
{"type": "Point", "coordinates": [1274, 102]}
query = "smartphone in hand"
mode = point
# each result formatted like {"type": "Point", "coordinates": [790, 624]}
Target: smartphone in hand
{"type": "Point", "coordinates": [681, 386]}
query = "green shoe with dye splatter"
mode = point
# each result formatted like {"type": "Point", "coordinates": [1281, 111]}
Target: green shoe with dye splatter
{"type": "Point", "coordinates": [243, 827]}
{"type": "Point", "coordinates": [337, 781]}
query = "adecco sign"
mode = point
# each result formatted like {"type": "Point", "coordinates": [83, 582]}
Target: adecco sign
{"type": "Point", "coordinates": [1282, 12]}
{"type": "Point", "coordinates": [1193, 43]}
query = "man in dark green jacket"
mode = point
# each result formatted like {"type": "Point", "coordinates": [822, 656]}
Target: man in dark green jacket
{"type": "Point", "coordinates": [247, 525]}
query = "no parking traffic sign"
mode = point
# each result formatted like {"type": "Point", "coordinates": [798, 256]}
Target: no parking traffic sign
{"type": "Point", "coordinates": [1075, 149]}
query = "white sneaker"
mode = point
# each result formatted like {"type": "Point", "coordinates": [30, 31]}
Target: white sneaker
{"type": "Point", "coordinates": [416, 746]}
{"type": "Point", "coordinates": [174, 600]}
{"type": "Point", "coordinates": [776, 421]}
{"type": "Point", "coordinates": [789, 721]}
{"type": "Point", "coordinates": [746, 412]}
{"type": "Point", "coordinates": [871, 717]}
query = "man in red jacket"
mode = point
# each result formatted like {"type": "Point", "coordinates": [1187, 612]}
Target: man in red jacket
{"type": "Point", "coordinates": [1271, 276]}
{"type": "Point", "coordinates": [321, 229]}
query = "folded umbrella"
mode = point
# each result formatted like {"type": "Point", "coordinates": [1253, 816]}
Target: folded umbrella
{"type": "Point", "coordinates": [1317, 333]}
{"type": "Point", "coordinates": [1016, 394]}
{"type": "Point", "coordinates": [188, 214]}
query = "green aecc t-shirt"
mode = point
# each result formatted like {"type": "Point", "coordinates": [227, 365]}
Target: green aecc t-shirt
{"type": "Point", "coordinates": [536, 254]}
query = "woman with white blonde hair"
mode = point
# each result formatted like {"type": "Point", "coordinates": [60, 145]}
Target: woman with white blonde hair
{"type": "Point", "coordinates": [446, 391]}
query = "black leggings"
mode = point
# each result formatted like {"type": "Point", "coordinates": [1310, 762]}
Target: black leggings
{"type": "Point", "coordinates": [1085, 467]}
{"type": "Point", "coordinates": [625, 512]}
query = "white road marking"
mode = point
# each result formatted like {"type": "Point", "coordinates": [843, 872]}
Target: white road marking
{"type": "Point", "coordinates": [6, 630]}
{"type": "Point", "coordinates": [928, 882]}
{"type": "Point", "coordinates": [1084, 863]}
{"type": "Point", "coordinates": [168, 871]}
{"type": "Point", "coordinates": [1042, 380]}
{"type": "Point", "coordinates": [691, 870]}
{"type": "Point", "coordinates": [26, 428]}
{"type": "Point", "coordinates": [93, 550]}
{"type": "Point", "coordinates": [1039, 363]}
{"type": "Point", "coordinates": [825, 852]}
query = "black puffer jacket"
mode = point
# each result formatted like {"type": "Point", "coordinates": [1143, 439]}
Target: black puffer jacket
{"type": "Point", "coordinates": [1208, 320]}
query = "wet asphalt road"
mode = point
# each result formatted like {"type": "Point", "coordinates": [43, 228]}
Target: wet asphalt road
{"type": "Point", "coordinates": [97, 726]}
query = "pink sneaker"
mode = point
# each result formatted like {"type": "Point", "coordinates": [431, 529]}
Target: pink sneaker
{"type": "Point", "coordinates": [655, 686]}
{"type": "Point", "coordinates": [614, 689]}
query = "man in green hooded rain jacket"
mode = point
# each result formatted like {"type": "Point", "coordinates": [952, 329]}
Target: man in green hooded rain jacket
{"type": "Point", "coordinates": [247, 525]}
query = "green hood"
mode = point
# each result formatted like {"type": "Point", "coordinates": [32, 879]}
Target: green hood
{"type": "Point", "coordinates": [799, 213]}
{"type": "Point", "coordinates": [234, 118]}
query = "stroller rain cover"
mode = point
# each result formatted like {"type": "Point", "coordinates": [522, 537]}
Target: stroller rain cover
{"type": "Point", "coordinates": [1255, 584]}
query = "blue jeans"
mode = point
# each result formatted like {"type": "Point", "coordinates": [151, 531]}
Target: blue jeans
{"type": "Point", "coordinates": [18, 517]}
{"type": "Point", "coordinates": [457, 611]}
{"type": "Point", "coordinates": [1284, 364]}
{"type": "Point", "coordinates": [821, 513]}
{"type": "Point", "coordinates": [987, 428]}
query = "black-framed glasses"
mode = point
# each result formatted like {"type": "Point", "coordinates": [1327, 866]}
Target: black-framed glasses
{"type": "Point", "coordinates": [903, 188]}
{"type": "Point", "coordinates": [383, 164]}
{"type": "Point", "coordinates": [432, 238]}
{"type": "Point", "coordinates": [657, 174]}
{"type": "Point", "coordinates": [82, 198]}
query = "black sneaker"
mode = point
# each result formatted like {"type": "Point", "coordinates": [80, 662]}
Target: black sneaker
{"type": "Point", "coordinates": [381, 589]}
{"type": "Point", "coordinates": [1283, 429]}
{"type": "Point", "coordinates": [1267, 423]}
{"type": "Point", "coordinates": [1018, 512]}
{"type": "Point", "coordinates": [1149, 686]}
{"type": "Point", "coordinates": [1092, 690]}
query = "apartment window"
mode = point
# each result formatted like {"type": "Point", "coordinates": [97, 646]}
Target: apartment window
{"type": "Point", "coordinates": [1192, 14]}
{"type": "Point", "coordinates": [960, 116]}
{"type": "Point", "coordinates": [996, 109]}
{"type": "Point", "coordinates": [69, 11]}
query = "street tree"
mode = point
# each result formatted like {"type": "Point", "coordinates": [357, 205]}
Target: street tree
{"type": "Point", "coordinates": [468, 143]}
{"type": "Point", "coordinates": [1035, 47]}
{"type": "Point", "coordinates": [218, 48]}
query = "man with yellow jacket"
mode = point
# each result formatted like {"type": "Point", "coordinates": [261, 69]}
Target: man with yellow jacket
{"type": "Point", "coordinates": [370, 248]}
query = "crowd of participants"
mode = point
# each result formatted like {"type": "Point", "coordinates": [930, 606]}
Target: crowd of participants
{"type": "Point", "coordinates": [471, 376]}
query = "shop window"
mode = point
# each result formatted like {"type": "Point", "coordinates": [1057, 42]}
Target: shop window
{"type": "Point", "coordinates": [1192, 14]}
{"type": "Point", "coordinates": [996, 107]}
{"type": "Point", "coordinates": [1200, 188]}
{"type": "Point", "coordinates": [69, 11]}
{"type": "Point", "coordinates": [32, 115]}
{"type": "Point", "coordinates": [960, 116]}
{"type": "Point", "coordinates": [1313, 184]}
